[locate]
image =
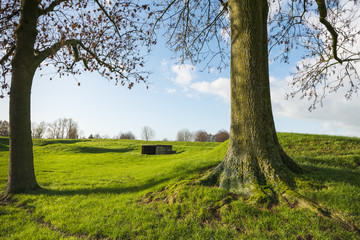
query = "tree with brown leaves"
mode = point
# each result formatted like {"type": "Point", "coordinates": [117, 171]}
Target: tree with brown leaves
{"type": "Point", "coordinates": [221, 136]}
{"type": "Point", "coordinates": [72, 36]}
{"type": "Point", "coordinates": [202, 136]}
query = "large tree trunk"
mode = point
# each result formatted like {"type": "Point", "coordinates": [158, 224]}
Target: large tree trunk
{"type": "Point", "coordinates": [254, 157]}
{"type": "Point", "coordinates": [21, 167]}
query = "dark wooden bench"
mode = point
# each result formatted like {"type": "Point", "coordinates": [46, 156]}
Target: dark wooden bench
{"type": "Point", "coordinates": [156, 149]}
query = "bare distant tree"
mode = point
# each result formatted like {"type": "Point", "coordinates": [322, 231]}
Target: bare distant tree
{"type": "Point", "coordinates": [63, 128]}
{"type": "Point", "coordinates": [81, 134]}
{"type": "Point", "coordinates": [62, 125]}
{"type": "Point", "coordinates": [56, 129]}
{"type": "Point", "coordinates": [4, 128]}
{"type": "Point", "coordinates": [72, 129]}
{"type": "Point", "coordinates": [184, 135]}
{"type": "Point", "coordinates": [97, 136]}
{"type": "Point", "coordinates": [202, 136]}
{"type": "Point", "coordinates": [147, 133]}
{"type": "Point", "coordinates": [221, 136]}
{"type": "Point", "coordinates": [38, 130]}
{"type": "Point", "coordinates": [52, 130]}
{"type": "Point", "coordinates": [126, 135]}
{"type": "Point", "coordinates": [33, 127]}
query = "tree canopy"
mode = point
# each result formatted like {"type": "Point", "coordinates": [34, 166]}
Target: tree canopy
{"type": "Point", "coordinates": [72, 36]}
{"type": "Point", "coordinates": [325, 32]}
{"type": "Point", "coordinates": [241, 33]}
{"type": "Point", "coordinates": [76, 36]}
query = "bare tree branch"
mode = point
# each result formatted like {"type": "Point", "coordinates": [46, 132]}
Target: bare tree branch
{"type": "Point", "coordinates": [7, 55]}
{"type": "Point", "coordinates": [74, 43]}
{"type": "Point", "coordinates": [13, 14]}
{"type": "Point", "coordinates": [163, 13]}
{"type": "Point", "coordinates": [323, 14]}
{"type": "Point", "coordinates": [41, 56]}
{"type": "Point", "coordinates": [108, 16]}
{"type": "Point", "coordinates": [208, 26]}
{"type": "Point", "coordinates": [112, 68]}
{"type": "Point", "coordinates": [193, 26]}
{"type": "Point", "coordinates": [51, 7]}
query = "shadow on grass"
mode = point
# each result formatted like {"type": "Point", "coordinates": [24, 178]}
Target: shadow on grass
{"type": "Point", "coordinates": [177, 152]}
{"type": "Point", "coordinates": [103, 150]}
{"type": "Point", "coordinates": [4, 144]}
{"type": "Point", "coordinates": [335, 174]}
{"type": "Point", "coordinates": [4, 148]}
{"type": "Point", "coordinates": [100, 190]}
{"type": "Point", "coordinates": [351, 161]}
{"type": "Point", "coordinates": [4, 140]}
{"type": "Point", "coordinates": [176, 175]}
{"type": "Point", "coordinates": [40, 142]}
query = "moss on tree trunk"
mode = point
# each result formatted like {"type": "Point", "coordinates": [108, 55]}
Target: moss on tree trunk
{"type": "Point", "coordinates": [21, 166]}
{"type": "Point", "coordinates": [254, 157]}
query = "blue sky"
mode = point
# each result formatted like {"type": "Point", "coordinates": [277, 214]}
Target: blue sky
{"type": "Point", "coordinates": [178, 98]}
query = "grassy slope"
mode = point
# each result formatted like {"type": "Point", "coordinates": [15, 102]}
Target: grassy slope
{"type": "Point", "coordinates": [94, 190]}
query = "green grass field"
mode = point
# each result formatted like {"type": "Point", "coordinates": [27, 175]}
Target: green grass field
{"type": "Point", "coordinates": [101, 189]}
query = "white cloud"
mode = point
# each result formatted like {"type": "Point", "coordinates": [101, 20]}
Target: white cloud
{"type": "Point", "coordinates": [192, 95]}
{"type": "Point", "coordinates": [170, 90]}
{"type": "Point", "coordinates": [212, 70]}
{"type": "Point", "coordinates": [164, 63]}
{"type": "Point", "coordinates": [220, 87]}
{"type": "Point", "coordinates": [272, 79]}
{"type": "Point", "coordinates": [184, 75]}
{"type": "Point", "coordinates": [164, 69]}
{"type": "Point", "coordinates": [337, 116]}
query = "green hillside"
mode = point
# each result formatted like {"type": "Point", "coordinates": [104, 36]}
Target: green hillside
{"type": "Point", "coordinates": [105, 189]}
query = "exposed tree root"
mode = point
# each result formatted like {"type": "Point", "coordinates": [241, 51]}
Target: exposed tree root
{"type": "Point", "coordinates": [264, 196]}
{"type": "Point", "coordinates": [261, 196]}
{"type": "Point", "coordinates": [252, 174]}
{"type": "Point", "coordinates": [293, 199]}
{"type": "Point", "coordinates": [6, 200]}
{"type": "Point", "coordinates": [168, 194]}
{"type": "Point", "coordinates": [211, 177]}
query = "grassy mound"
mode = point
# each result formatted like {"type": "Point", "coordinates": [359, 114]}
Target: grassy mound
{"type": "Point", "coordinates": [94, 189]}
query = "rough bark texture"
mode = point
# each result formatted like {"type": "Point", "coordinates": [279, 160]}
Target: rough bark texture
{"type": "Point", "coordinates": [21, 167]}
{"type": "Point", "coordinates": [254, 157]}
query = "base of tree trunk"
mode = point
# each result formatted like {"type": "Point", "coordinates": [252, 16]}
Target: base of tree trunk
{"type": "Point", "coordinates": [21, 188]}
{"type": "Point", "coordinates": [260, 180]}
{"type": "Point", "coordinates": [265, 191]}
{"type": "Point", "coordinates": [261, 196]}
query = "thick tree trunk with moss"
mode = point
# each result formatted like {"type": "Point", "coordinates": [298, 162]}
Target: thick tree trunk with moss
{"type": "Point", "coordinates": [21, 166]}
{"type": "Point", "coordinates": [254, 157]}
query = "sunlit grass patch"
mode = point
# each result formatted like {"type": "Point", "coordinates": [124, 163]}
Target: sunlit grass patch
{"type": "Point", "coordinates": [98, 189]}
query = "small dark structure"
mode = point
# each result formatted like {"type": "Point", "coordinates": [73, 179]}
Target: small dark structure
{"type": "Point", "coordinates": [156, 149]}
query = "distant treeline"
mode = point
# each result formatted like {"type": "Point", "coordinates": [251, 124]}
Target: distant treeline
{"type": "Point", "coordinates": [67, 128]}
{"type": "Point", "coordinates": [202, 136]}
{"type": "Point", "coordinates": [62, 128]}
